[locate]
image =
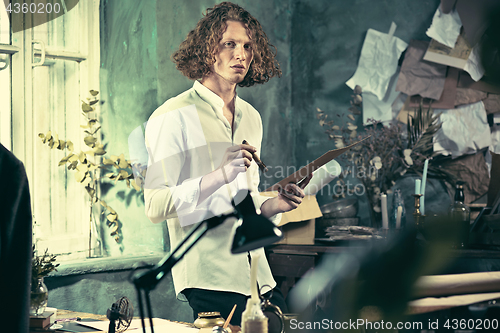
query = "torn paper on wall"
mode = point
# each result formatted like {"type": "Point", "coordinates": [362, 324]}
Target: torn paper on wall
{"type": "Point", "coordinates": [473, 65]}
{"type": "Point", "coordinates": [418, 77]}
{"type": "Point", "coordinates": [378, 62]}
{"type": "Point", "coordinates": [380, 110]}
{"type": "Point", "coordinates": [495, 139]}
{"type": "Point", "coordinates": [445, 28]}
{"type": "Point", "coordinates": [463, 130]}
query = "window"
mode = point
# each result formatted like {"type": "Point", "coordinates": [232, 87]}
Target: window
{"type": "Point", "coordinates": [52, 68]}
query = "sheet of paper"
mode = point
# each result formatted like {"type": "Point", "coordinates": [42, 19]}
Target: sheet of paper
{"type": "Point", "coordinates": [380, 110]}
{"type": "Point", "coordinates": [495, 139]}
{"type": "Point", "coordinates": [462, 131]}
{"type": "Point", "coordinates": [445, 28]}
{"type": "Point", "coordinates": [473, 65]}
{"type": "Point", "coordinates": [311, 167]}
{"type": "Point", "coordinates": [465, 81]}
{"type": "Point", "coordinates": [469, 96]}
{"type": "Point", "coordinates": [418, 77]}
{"type": "Point", "coordinates": [447, 99]}
{"type": "Point", "coordinates": [378, 62]}
{"type": "Point", "coordinates": [450, 56]}
{"type": "Point", "coordinates": [492, 104]}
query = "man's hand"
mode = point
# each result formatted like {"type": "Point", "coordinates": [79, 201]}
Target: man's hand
{"type": "Point", "coordinates": [235, 160]}
{"type": "Point", "coordinates": [289, 198]}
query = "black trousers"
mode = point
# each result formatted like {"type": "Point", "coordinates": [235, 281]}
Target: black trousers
{"type": "Point", "coordinates": [202, 300]}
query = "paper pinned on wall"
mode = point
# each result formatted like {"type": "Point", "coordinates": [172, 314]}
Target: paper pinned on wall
{"type": "Point", "coordinates": [495, 139]}
{"type": "Point", "coordinates": [470, 119]}
{"type": "Point", "coordinates": [445, 28]}
{"type": "Point", "coordinates": [378, 62]}
{"type": "Point", "coordinates": [380, 110]}
{"type": "Point", "coordinates": [473, 65]}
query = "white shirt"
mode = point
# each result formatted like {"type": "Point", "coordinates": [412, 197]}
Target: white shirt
{"type": "Point", "coordinates": [186, 138]}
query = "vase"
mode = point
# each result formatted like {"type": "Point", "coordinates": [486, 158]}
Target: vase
{"type": "Point", "coordinates": [39, 296]}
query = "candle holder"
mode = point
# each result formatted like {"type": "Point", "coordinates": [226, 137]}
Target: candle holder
{"type": "Point", "coordinates": [418, 217]}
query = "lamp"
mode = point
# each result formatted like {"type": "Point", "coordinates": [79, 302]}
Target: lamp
{"type": "Point", "coordinates": [254, 231]}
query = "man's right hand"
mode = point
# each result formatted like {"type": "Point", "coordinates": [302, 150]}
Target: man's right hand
{"type": "Point", "coordinates": [236, 159]}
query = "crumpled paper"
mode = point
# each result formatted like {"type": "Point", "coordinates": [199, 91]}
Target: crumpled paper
{"type": "Point", "coordinates": [378, 62]}
{"type": "Point", "coordinates": [473, 65]}
{"type": "Point", "coordinates": [380, 110]}
{"type": "Point", "coordinates": [463, 130]}
{"type": "Point", "coordinates": [419, 77]}
{"type": "Point", "coordinates": [445, 28]}
{"type": "Point", "coordinates": [495, 139]}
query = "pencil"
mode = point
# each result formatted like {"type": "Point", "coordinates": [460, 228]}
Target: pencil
{"type": "Point", "coordinates": [229, 317]}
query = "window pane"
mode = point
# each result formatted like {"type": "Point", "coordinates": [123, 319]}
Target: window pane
{"type": "Point", "coordinates": [63, 32]}
{"type": "Point", "coordinates": [60, 207]}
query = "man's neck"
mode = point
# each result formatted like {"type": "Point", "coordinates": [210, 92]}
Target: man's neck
{"type": "Point", "coordinates": [221, 87]}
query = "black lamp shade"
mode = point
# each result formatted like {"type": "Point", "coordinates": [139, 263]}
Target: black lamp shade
{"type": "Point", "coordinates": [254, 230]}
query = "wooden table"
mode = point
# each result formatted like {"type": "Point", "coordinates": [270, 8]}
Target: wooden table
{"type": "Point", "coordinates": [290, 262]}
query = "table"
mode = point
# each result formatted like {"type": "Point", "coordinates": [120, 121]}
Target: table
{"type": "Point", "coordinates": [290, 262]}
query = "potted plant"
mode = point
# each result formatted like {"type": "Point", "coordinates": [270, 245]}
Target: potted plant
{"type": "Point", "coordinates": [41, 266]}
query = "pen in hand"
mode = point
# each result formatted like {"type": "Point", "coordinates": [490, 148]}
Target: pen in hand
{"type": "Point", "coordinates": [261, 164]}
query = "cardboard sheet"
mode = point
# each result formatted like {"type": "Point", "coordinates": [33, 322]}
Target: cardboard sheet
{"type": "Point", "coordinates": [454, 57]}
{"type": "Point", "coordinates": [470, 119]}
{"type": "Point", "coordinates": [468, 96]}
{"type": "Point", "coordinates": [445, 28]}
{"type": "Point", "coordinates": [447, 99]}
{"type": "Point", "coordinates": [378, 62]}
{"type": "Point", "coordinates": [418, 77]}
{"type": "Point", "coordinates": [465, 81]}
{"type": "Point", "coordinates": [492, 103]}
{"type": "Point", "coordinates": [311, 167]}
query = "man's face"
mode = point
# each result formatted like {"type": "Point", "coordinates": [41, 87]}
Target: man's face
{"type": "Point", "coordinates": [235, 54]}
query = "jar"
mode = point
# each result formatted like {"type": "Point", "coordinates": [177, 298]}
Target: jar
{"type": "Point", "coordinates": [38, 297]}
{"type": "Point", "coordinates": [209, 319]}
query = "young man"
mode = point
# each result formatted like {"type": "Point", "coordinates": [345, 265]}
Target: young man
{"type": "Point", "coordinates": [197, 161]}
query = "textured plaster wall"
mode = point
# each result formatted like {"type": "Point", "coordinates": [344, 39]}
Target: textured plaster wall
{"type": "Point", "coordinates": [319, 43]}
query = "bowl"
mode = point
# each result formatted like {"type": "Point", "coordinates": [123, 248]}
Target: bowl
{"type": "Point", "coordinates": [340, 209]}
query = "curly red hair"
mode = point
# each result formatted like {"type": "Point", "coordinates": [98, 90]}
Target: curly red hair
{"type": "Point", "coordinates": [196, 54]}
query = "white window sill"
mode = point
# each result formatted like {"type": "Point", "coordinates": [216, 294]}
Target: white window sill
{"type": "Point", "coordinates": [108, 264]}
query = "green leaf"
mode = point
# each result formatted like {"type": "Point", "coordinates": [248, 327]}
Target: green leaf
{"type": "Point", "coordinates": [123, 164]}
{"type": "Point", "coordinates": [107, 161]}
{"type": "Point", "coordinates": [94, 92]}
{"type": "Point", "coordinates": [112, 217]}
{"type": "Point", "coordinates": [65, 159]}
{"type": "Point", "coordinates": [99, 150]}
{"type": "Point", "coordinates": [90, 141]}
{"type": "Point", "coordinates": [69, 145]}
{"type": "Point", "coordinates": [93, 102]}
{"type": "Point", "coordinates": [82, 157]}
{"type": "Point", "coordinates": [79, 176]}
{"type": "Point", "coordinates": [86, 107]}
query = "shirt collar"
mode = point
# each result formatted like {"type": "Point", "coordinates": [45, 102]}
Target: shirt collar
{"type": "Point", "coordinates": [207, 95]}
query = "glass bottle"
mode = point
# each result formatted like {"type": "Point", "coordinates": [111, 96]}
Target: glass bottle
{"type": "Point", "coordinates": [459, 215]}
{"type": "Point", "coordinates": [397, 201]}
{"type": "Point", "coordinates": [39, 296]}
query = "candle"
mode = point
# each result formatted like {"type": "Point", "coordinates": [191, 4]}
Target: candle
{"type": "Point", "coordinates": [385, 219]}
{"type": "Point", "coordinates": [398, 217]}
{"type": "Point", "coordinates": [253, 277]}
{"type": "Point", "coordinates": [422, 188]}
{"type": "Point", "coordinates": [417, 186]}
